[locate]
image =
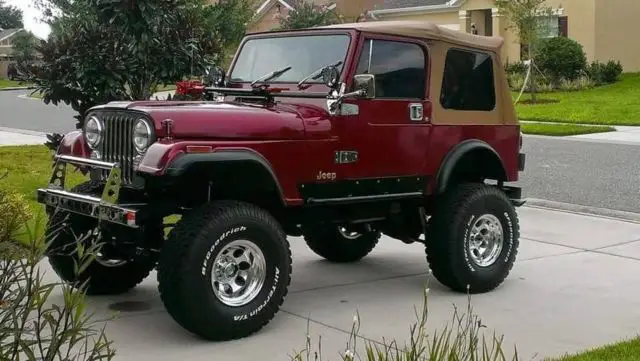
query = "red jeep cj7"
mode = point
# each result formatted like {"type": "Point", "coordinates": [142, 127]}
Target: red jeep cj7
{"type": "Point", "coordinates": [338, 134]}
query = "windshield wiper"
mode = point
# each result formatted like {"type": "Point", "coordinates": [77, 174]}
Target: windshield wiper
{"type": "Point", "coordinates": [270, 76]}
{"type": "Point", "coordinates": [316, 74]}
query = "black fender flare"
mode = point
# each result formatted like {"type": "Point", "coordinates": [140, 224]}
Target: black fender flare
{"type": "Point", "coordinates": [197, 161]}
{"type": "Point", "coordinates": [455, 155]}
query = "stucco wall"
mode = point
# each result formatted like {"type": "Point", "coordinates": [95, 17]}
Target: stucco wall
{"type": "Point", "coordinates": [581, 25]}
{"type": "Point", "coordinates": [616, 28]}
{"type": "Point", "coordinates": [582, 21]}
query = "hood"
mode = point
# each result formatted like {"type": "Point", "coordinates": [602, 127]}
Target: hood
{"type": "Point", "coordinates": [228, 120]}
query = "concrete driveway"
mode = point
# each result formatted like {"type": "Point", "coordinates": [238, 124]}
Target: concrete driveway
{"type": "Point", "coordinates": [574, 286]}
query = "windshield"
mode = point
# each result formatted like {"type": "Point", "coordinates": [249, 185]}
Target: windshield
{"type": "Point", "coordinates": [304, 54]}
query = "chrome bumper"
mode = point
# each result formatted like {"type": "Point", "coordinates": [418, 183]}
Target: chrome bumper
{"type": "Point", "coordinates": [104, 208]}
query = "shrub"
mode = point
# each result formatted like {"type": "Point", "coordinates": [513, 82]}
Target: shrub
{"type": "Point", "coordinates": [604, 73]}
{"type": "Point", "coordinates": [515, 68]}
{"type": "Point", "coordinates": [32, 327]}
{"type": "Point", "coordinates": [561, 58]}
{"type": "Point", "coordinates": [14, 212]}
{"type": "Point", "coordinates": [581, 83]}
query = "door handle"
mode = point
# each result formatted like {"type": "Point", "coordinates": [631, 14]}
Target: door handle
{"type": "Point", "coordinates": [416, 112]}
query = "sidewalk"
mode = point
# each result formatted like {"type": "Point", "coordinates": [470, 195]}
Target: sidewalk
{"type": "Point", "coordinates": [572, 288]}
{"type": "Point", "coordinates": [10, 136]}
{"type": "Point", "coordinates": [624, 134]}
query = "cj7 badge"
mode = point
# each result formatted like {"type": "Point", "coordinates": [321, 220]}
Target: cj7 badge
{"type": "Point", "coordinates": [346, 156]}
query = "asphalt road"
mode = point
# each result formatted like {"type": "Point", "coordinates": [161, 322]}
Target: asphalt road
{"type": "Point", "coordinates": [605, 175]}
{"type": "Point", "coordinates": [33, 114]}
{"type": "Point", "coordinates": [602, 175]}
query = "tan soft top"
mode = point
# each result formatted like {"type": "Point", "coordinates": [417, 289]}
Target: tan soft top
{"type": "Point", "coordinates": [423, 29]}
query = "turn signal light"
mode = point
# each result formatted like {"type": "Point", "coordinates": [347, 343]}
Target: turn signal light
{"type": "Point", "coordinates": [199, 148]}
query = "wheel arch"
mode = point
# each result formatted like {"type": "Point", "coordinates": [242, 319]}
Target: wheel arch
{"type": "Point", "coordinates": [469, 161]}
{"type": "Point", "coordinates": [230, 171]}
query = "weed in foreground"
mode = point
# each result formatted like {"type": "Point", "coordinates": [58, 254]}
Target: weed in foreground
{"type": "Point", "coordinates": [459, 340]}
{"type": "Point", "coordinates": [32, 325]}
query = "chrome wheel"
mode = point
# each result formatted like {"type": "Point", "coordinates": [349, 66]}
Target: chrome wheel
{"type": "Point", "coordinates": [238, 273]}
{"type": "Point", "coordinates": [348, 234]}
{"type": "Point", "coordinates": [485, 240]}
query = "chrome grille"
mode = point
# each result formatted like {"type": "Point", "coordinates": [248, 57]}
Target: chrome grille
{"type": "Point", "coordinates": [117, 145]}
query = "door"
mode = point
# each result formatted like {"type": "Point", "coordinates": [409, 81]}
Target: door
{"type": "Point", "coordinates": [390, 135]}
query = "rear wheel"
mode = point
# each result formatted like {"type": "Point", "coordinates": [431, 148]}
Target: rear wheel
{"type": "Point", "coordinates": [474, 238]}
{"type": "Point", "coordinates": [112, 271]}
{"type": "Point", "coordinates": [225, 270]}
{"type": "Point", "coordinates": [341, 245]}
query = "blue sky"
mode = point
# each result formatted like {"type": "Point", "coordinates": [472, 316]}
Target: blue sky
{"type": "Point", "coordinates": [31, 16]}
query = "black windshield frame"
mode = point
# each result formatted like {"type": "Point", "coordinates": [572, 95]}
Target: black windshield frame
{"type": "Point", "coordinates": [339, 42]}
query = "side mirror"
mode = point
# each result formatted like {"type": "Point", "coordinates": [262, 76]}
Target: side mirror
{"type": "Point", "coordinates": [215, 76]}
{"type": "Point", "coordinates": [331, 76]}
{"type": "Point", "coordinates": [366, 84]}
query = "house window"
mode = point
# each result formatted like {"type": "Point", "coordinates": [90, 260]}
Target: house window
{"type": "Point", "coordinates": [552, 26]}
{"type": "Point", "coordinates": [399, 68]}
{"type": "Point", "coordinates": [548, 27]}
{"type": "Point", "coordinates": [468, 82]}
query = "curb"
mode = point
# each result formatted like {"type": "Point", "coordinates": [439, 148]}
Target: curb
{"type": "Point", "coordinates": [584, 210]}
{"type": "Point", "coordinates": [586, 140]}
{"type": "Point", "coordinates": [23, 131]}
{"type": "Point", "coordinates": [18, 88]}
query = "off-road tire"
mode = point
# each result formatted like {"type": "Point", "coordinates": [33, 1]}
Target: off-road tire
{"type": "Point", "coordinates": [328, 243]}
{"type": "Point", "coordinates": [446, 249]}
{"type": "Point", "coordinates": [186, 262]}
{"type": "Point", "coordinates": [102, 280]}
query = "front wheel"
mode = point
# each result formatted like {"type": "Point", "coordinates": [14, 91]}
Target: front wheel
{"type": "Point", "coordinates": [225, 270]}
{"type": "Point", "coordinates": [474, 239]}
{"type": "Point", "coordinates": [112, 271]}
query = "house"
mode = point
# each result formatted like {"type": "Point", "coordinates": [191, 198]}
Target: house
{"type": "Point", "coordinates": [6, 45]}
{"type": "Point", "coordinates": [6, 42]}
{"type": "Point", "coordinates": [603, 27]}
{"type": "Point", "coordinates": [6, 49]}
{"type": "Point", "coordinates": [269, 12]}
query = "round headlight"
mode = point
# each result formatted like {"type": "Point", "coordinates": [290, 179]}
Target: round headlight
{"type": "Point", "coordinates": [93, 130]}
{"type": "Point", "coordinates": [141, 135]}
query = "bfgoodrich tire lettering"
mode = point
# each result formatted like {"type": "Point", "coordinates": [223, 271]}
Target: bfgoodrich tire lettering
{"type": "Point", "coordinates": [448, 248]}
{"type": "Point", "coordinates": [187, 262]}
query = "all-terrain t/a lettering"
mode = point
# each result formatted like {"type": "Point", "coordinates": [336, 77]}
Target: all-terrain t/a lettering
{"type": "Point", "coordinates": [353, 143]}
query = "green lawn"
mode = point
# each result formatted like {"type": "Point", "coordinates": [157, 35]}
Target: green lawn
{"type": "Point", "coordinates": [623, 351]}
{"type": "Point", "coordinates": [614, 104]}
{"type": "Point", "coordinates": [29, 167]}
{"type": "Point", "coordinates": [4, 83]}
{"type": "Point", "coordinates": [563, 129]}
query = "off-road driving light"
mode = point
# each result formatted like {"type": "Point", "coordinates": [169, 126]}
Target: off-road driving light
{"type": "Point", "coordinates": [141, 135]}
{"type": "Point", "coordinates": [93, 131]}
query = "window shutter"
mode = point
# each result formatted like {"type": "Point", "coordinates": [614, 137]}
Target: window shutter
{"type": "Point", "coordinates": [563, 26]}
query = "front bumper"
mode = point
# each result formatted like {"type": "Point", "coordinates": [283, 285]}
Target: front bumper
{"type": "Point", "coordinates": [104, 208]}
